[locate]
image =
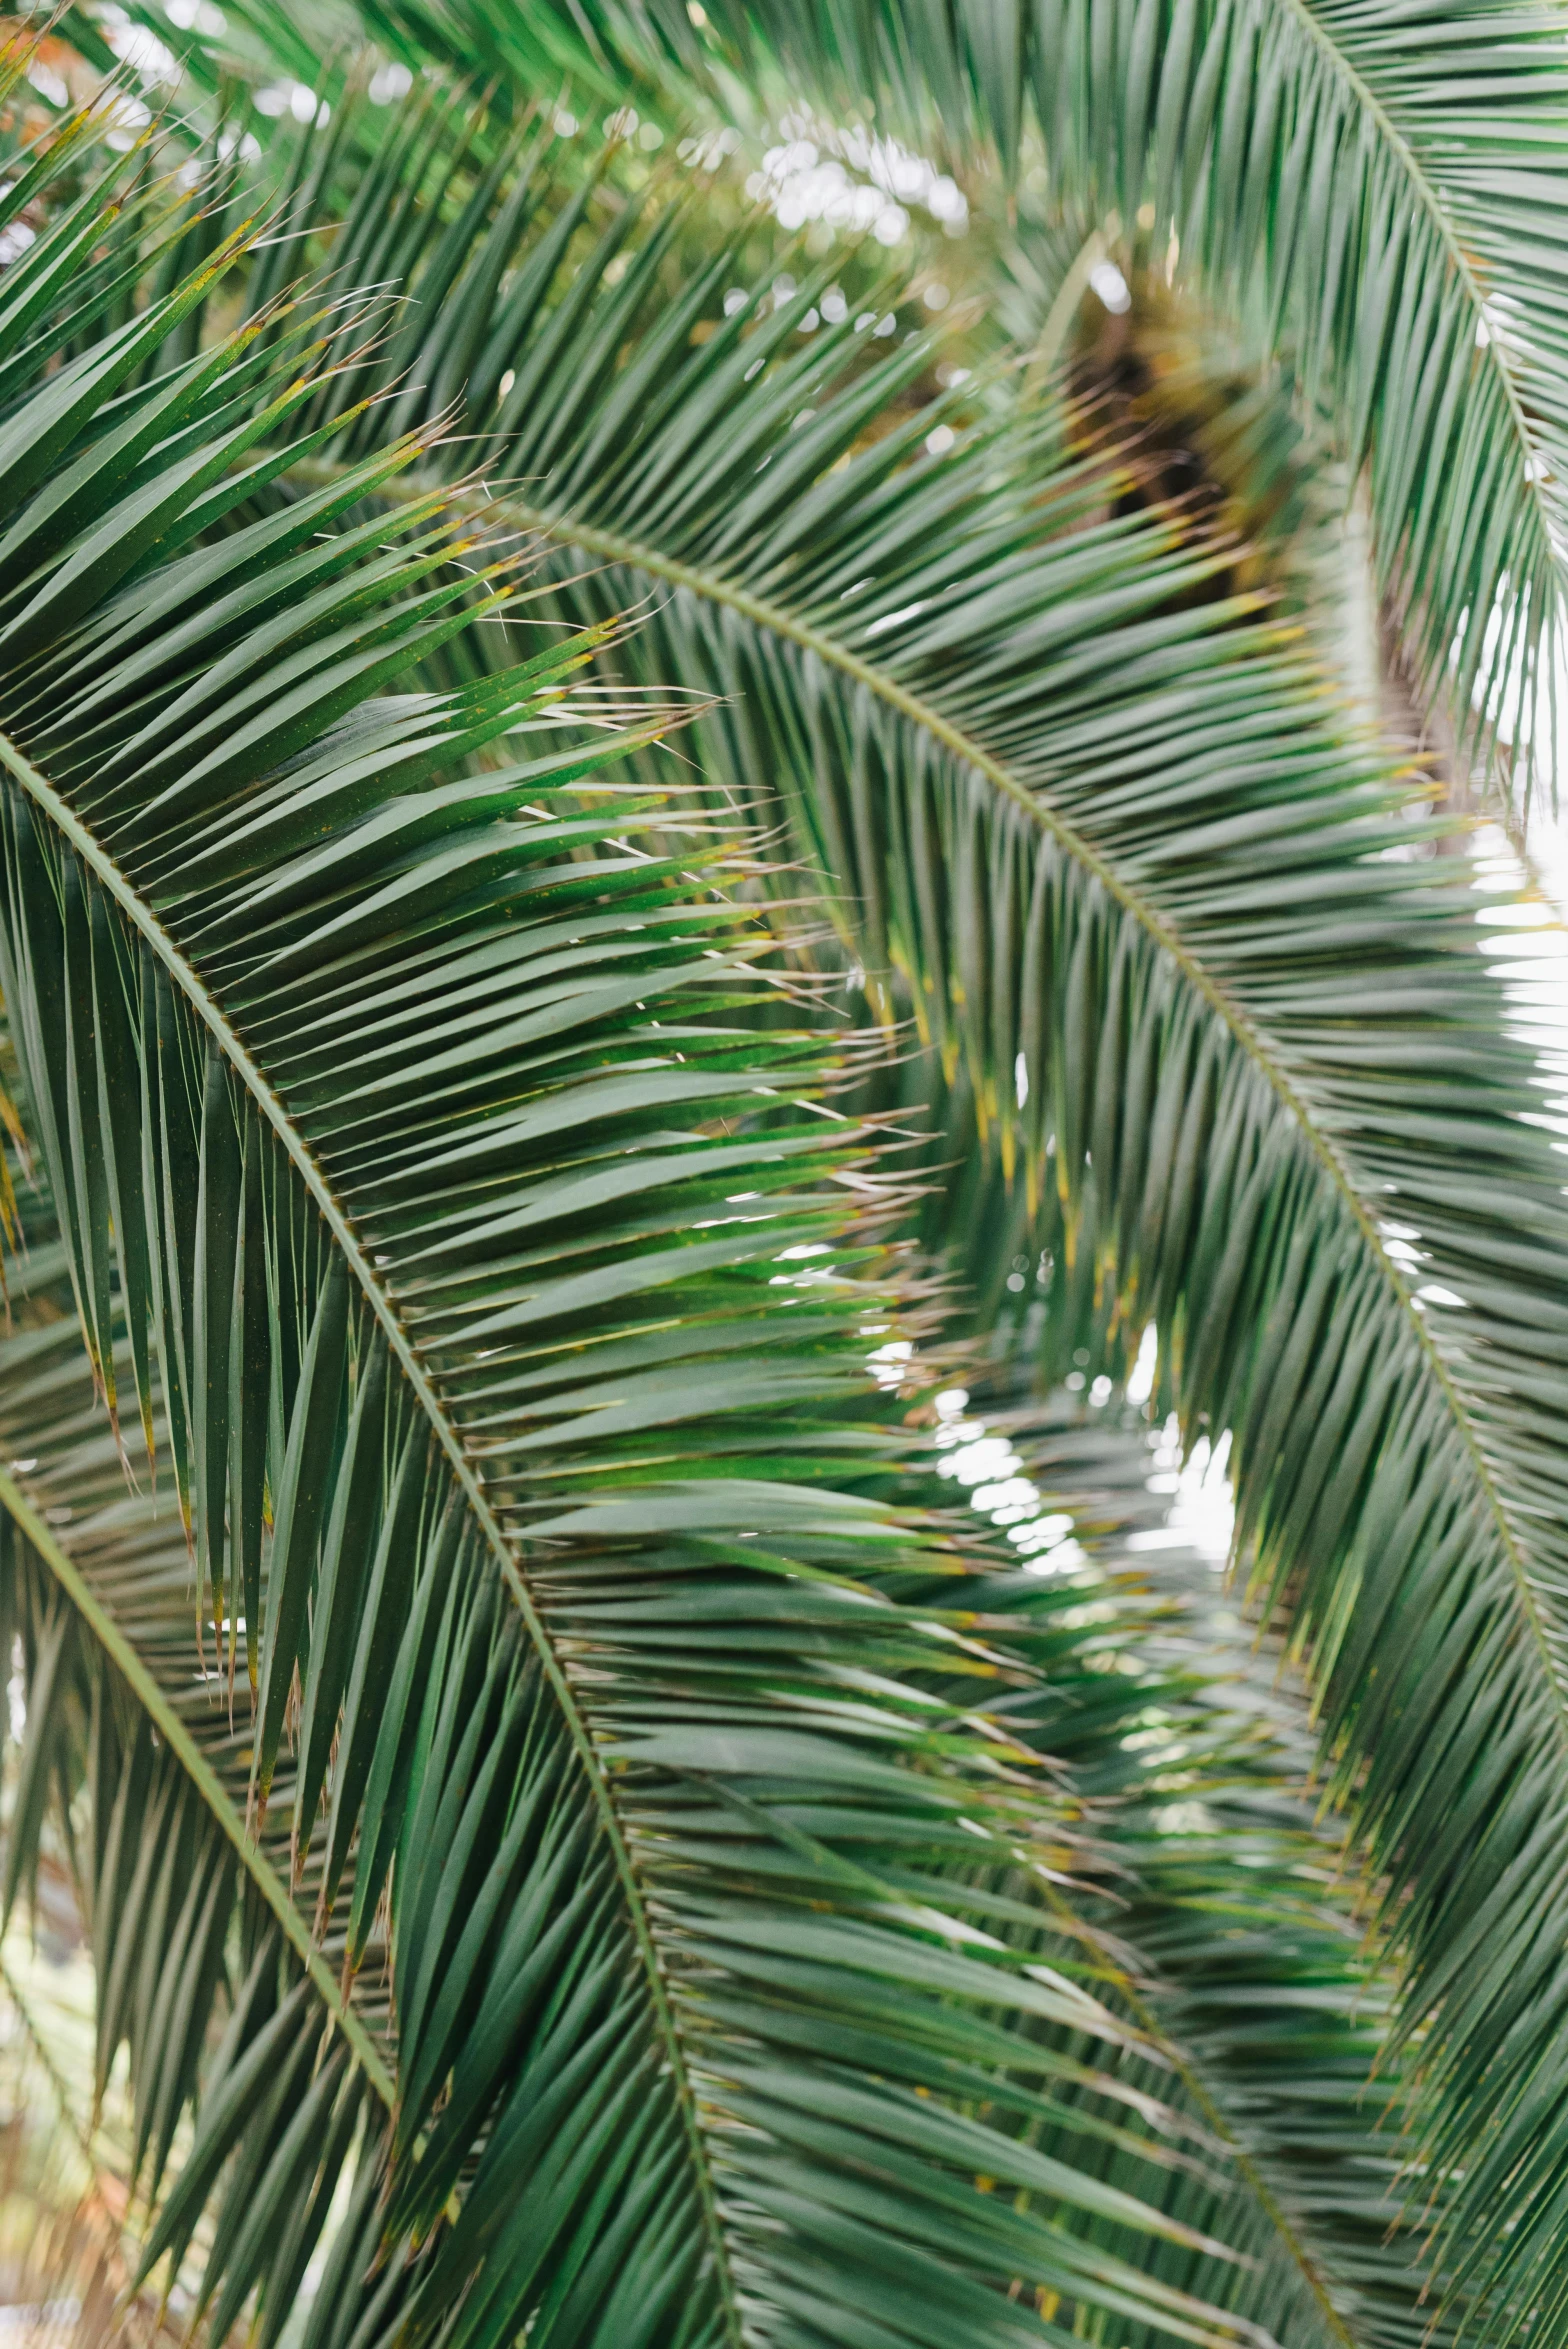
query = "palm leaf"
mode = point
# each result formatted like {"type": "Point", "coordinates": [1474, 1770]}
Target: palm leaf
{"type": "Point", "coordinates": [1208, 980]}
{"type": "Point", "coordinates": [392, 1099]}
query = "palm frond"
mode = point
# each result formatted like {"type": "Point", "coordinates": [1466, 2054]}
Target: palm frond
{"type": "Point", "coordinates": [1362, 180]}
{"type": "Point", "coordinates": [1210, 983]}
{"type": "Point", "coordinates": [394, 1103]}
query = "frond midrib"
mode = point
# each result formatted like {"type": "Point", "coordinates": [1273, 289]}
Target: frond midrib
{"type": "Point", "coordinates": [164, 1716]}
{"type": "Point", "coordinates": [131, 903]}
{"type": "Point", "coordinates": [717, 588]}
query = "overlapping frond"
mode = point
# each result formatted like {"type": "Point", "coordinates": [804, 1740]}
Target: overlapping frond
{"type": "Point", "coordinates": [510, 1643]}
{"type": "Point", "coordinates": [1118, 1700]}
{"type": "Point", "coordinates": [1204, 982]}
{"type": "Point", "coordinates": [1210, 984]}
{"type": "Point", "coordinates": [1385, 189]}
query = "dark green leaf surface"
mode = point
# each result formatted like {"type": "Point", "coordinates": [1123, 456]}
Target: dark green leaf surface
{"type": "Point", "coordinates": [393, 1094]}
